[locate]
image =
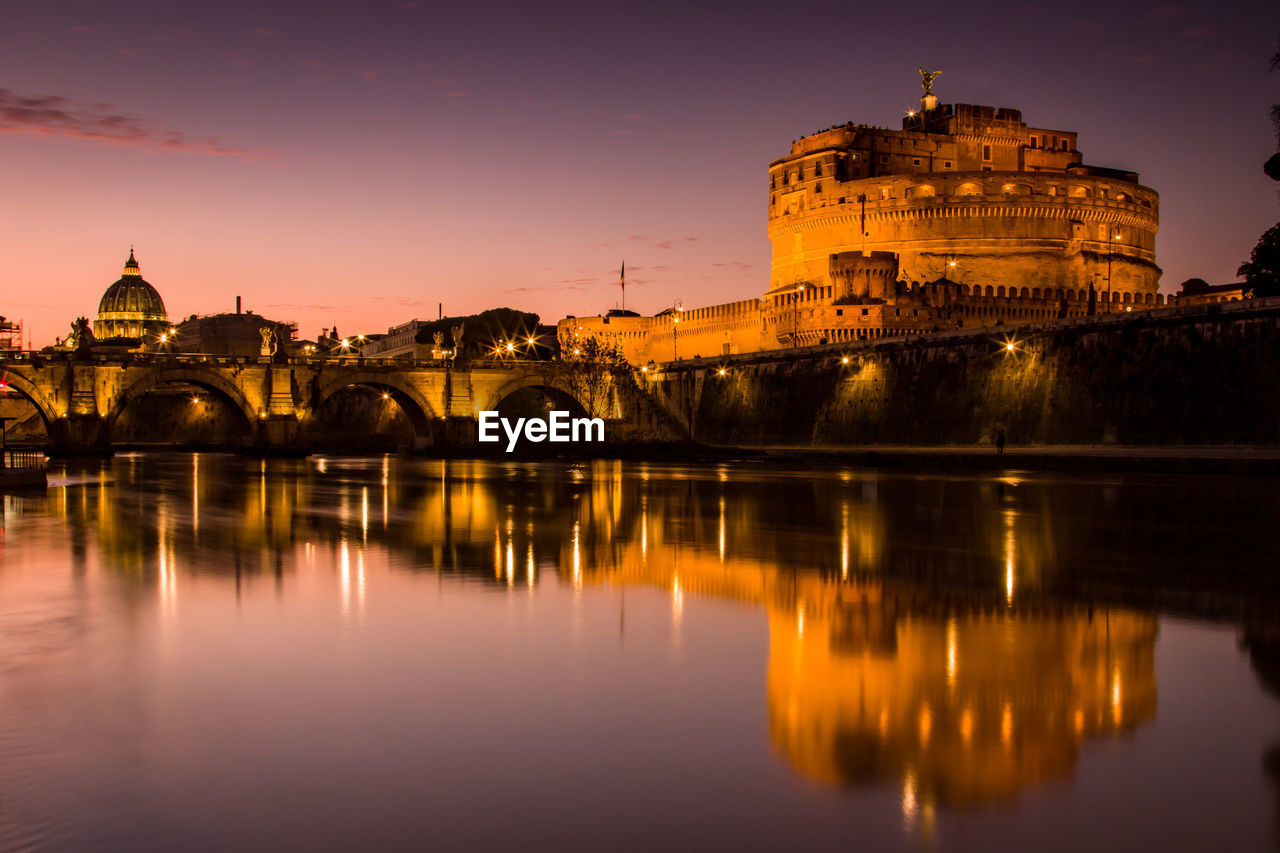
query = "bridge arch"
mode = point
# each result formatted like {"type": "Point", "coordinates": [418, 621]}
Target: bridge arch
{"type": "Point", "coordinates": [209, 380]}
{"type": "Point", "coordinates": [554, 390]}
{"type": "Point", "coordinates": [31, 392]}
{"type": "Point", "coordinates": [415, 406]}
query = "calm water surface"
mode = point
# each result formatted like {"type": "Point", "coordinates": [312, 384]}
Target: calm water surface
{"type": "Point", "coordinates": [213, 652]}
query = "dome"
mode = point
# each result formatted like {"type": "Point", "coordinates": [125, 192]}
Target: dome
{"type": "Point", "coordinates": [131, 308]}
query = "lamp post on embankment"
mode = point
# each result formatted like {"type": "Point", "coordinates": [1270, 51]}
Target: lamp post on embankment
{"type": "Point", "coordinates": [795, 316]}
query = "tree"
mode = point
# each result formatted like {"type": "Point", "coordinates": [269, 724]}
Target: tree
{"type": "Point", "coordinates": [593, 369]}
{"type": "Point", "coordinates": [1272, 166]}
{"type": "Point", "coordinates": [1262, 271]}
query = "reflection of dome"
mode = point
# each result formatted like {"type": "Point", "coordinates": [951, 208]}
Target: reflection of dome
{"type": "Point", "coordinates": [131, 308]}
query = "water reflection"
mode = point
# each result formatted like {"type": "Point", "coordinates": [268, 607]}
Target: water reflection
{"type": "Point", "coordinates": [958, 641]}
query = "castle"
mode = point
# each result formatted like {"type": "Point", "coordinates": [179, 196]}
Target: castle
{"type": "Point", "coordinates": [965, 218]}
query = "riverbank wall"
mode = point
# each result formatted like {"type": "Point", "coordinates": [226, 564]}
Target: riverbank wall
{"type": "Point", "coordinates": [1202, 375]}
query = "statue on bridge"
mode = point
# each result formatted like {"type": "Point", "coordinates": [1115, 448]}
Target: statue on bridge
{"type": "Point", "coordinates": [269, 341]}
{"type": "Point", "coordinates": [81, 337]}
{"type": "Point", "coordinates": [437, 345]}
{"type": "Point", "coordinates": [457, 340]}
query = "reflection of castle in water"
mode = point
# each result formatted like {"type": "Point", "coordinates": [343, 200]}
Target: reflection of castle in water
{"type": "Point", "coordinates": [962, 693]}
{"type": "Point", "coordinates": [963, 699]}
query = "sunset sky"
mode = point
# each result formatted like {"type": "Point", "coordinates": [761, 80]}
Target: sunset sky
{"type": "Point", "coordinates": [357, 163]}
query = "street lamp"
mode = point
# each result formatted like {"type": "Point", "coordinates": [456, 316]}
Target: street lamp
{"type": "Point", "coordinates": [795, 316]}
{"type": "Point", "coordinates": [675, 320]}
{"type": "Point", "coordinates": [1111, 238]}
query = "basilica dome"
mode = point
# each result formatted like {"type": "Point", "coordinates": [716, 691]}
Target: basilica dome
{"type": "Point", "coordinates": [131, 308]}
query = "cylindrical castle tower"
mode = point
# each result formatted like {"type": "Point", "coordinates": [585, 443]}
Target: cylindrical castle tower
{"type": "Point", "coordinates": [963, 192]}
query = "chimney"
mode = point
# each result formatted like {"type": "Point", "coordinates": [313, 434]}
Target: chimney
{"type": "Point", "coordinates": [237, 304]}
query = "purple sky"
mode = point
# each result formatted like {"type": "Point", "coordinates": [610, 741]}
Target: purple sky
{"type": "Point", "coordinates": [356, 163]}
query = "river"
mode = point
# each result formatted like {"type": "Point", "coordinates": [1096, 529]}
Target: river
{"type": "Point", "coordinates": [203, 651]}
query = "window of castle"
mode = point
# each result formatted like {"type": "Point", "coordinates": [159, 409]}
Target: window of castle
{"type": "Point", "coordinates": [986, 152]}
{"type": "Point", "coordinates": [915, 161]}
{"type": "Point", "coordinates": [1064, 145]}
{"type": "Point", "coordinates": [884, 192]}
{"type": "Point", "coordinates": [946, 164]}
{"type": "Point", "coordinates": [1035, 141]}
{"type": "Point", "coordinates": [884, 158]}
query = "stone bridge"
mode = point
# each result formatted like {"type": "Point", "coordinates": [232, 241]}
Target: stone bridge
{"type": "Point", "coordinates": [80, 397]}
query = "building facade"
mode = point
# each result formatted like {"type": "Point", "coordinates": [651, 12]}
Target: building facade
{"type": "Point", "coordinates": [966, 217]}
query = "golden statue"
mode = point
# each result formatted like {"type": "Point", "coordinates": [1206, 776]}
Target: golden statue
{"type": "Point", "coordinates": [926, 80]}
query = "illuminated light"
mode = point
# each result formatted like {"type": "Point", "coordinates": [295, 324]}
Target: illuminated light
{"type": "Point", "coordinates": [577, 559]}
{"type": "Point", "coordinates": [195, 401]}
{"type": "Point", "coordinates": [163, 338]}
{"type": "Point", "coordinates": [1129, 308]}
{"type": "Point", "coordinates": [926, 725]}
{"type": "Point", "coordinates": [909, 804]}
{"type": "Point", "coordinates": [1079, 721]}
{"type": "Point", "coordinates": [1008, 347]}
{"type": "Point", "coordinates": [1006, 724]}
{"type": "Point", "coordinates": [577, 352]}
{"type": "Point", "coordinates": [1009, 553]}
{"type": "Point", "coordinates": [720, 372]}
{"type": "Point", "coordinates": [722, 529]}
{"type": "Point", "coordinates": [511, 347]}
{"type": "Point", "coordinates": [644, 369]}
{"type": "Point", "coordinates": [346, 343]}
{"type": "Point", "coordinates": [966, 725]}
{"type": "Point", "coordinates": [911, 113]}
{"type": "Point", "coordinates": [386, 396]}
{"type": "Point", "coordinates": [883, 723]}
{"type": "Point", "coordinates": [677, 597]}
{"type": "Point", "coordinates": [1115, 696]}
{"type": "Point", "coordinates": [844, 360]}
{"type": "Point", "coordinates": [844, 541]}
{"type": "Point", "coordinates": [800, 621]}
{"type": "Point", "coordinates": [951, 652]}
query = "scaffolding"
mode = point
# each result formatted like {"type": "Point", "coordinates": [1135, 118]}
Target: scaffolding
{"type": "Point", "coordinates": [10, 334]}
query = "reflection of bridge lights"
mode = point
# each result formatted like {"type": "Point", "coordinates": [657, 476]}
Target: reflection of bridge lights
{"type": "Point", "coordinates": [577, 558]}
{"type": "Point", "coordinates": [1006, 724]}
{"type": "Point", "coordinates": [951, 652]}
{"type": "Point", "coordinates": [1115, 696]}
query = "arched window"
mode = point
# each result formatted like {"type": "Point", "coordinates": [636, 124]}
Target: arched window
{"type": "Point", "coordinates": [921, 191]}
{"type": "Point", "coordinates": [1000, 290]}
{"type": "Point", "coordinates": [1078, 191]}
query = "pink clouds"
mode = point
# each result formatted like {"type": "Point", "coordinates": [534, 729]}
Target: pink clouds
{"type": "Point", "coordinates": [59, 117]}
